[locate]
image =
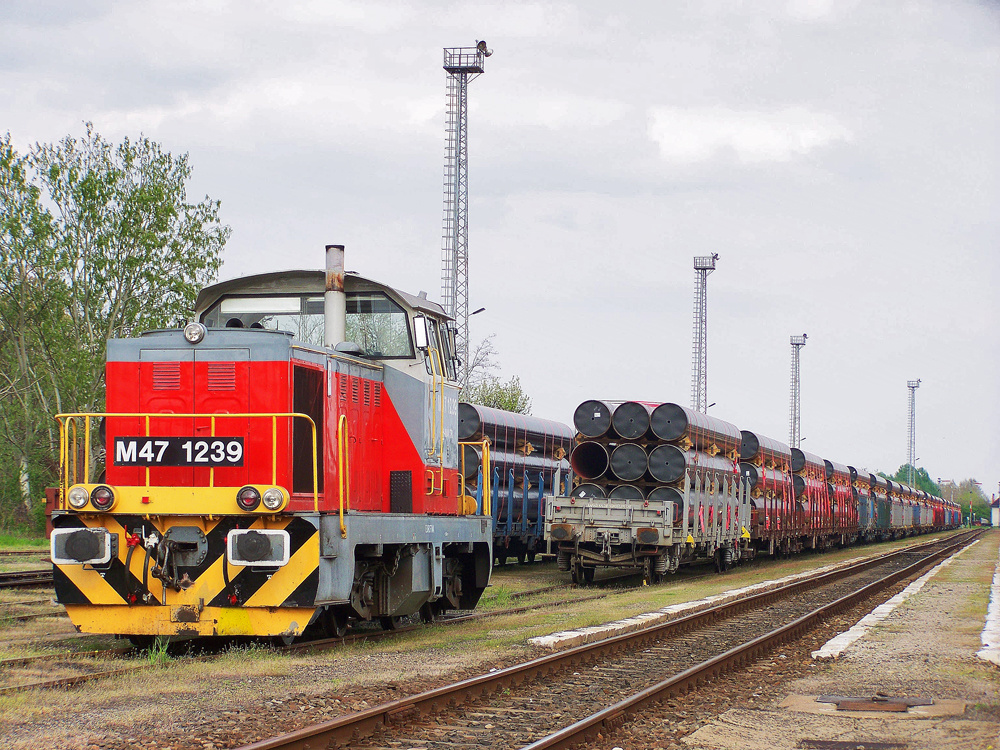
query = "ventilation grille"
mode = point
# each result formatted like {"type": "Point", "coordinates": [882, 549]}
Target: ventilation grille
{"type": "Point", "coordinates": [222, 376]}
{"type": "Point", "coordinates": [368, 393]}
{"type": "Point", "coordinates": [166, 376]}
{"type": "Point", "coordinates": [377, 395]}
{"type": "Point", "coordinates": [354, 390]}
{"type": "Point", "coordinates": [343, 387]}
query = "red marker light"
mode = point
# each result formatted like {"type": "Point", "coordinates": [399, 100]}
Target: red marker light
{"type": "Point", "coordinates": [233, 599]}
{"type": "Point", "coordinates": [145, 499]}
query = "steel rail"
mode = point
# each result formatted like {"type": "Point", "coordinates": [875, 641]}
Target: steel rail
{"type": "Point", "coordinates": [614, 716]}
{"type": "Point", "coordinates": [43, 551]}
{"type": "Point", "coordinates": [362, 723]}
{"type": "Point", "coordinates": [24, 578]}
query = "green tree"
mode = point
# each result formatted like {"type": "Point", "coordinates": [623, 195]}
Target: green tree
{"type": "Point", "coordinates": [968, 493]}
{"type": "Point", "coordinates": [497, 394]}
{"type": "Point", "coordinates": [921, 479]}
{"type": "Point", "coordinates": [98, 241]}
{"type": "Point", "coordinates": [29, 290]}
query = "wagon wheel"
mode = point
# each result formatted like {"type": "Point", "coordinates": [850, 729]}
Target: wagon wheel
{"type": "Point", "coordinates": [650, 574]}
{"type": "Point", "coordinates": [430, 612]}
{"type": "Point", "coordinates": [393, 622]}
{"type": "Point", "coordinates": [521, 556]}
{"type": "Point", "coordinates": [531, 556]}
{"type": "Point", "coordinates": [588, 574]}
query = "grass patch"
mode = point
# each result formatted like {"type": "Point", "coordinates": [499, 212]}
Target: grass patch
{"type": "Point", "coordinates": [22, 540]}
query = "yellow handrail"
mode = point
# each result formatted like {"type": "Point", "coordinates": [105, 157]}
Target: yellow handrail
{"type": "Point", "coordinates": [343, 466]}
{"type": "Point", "coordinates": [484, 445]}
{"type": "Point", "coordinates": [67, 419]}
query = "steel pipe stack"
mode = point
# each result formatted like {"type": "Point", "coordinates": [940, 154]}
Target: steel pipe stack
{"type": "Point", "coordinates": [766, 465]}
{"type": "Point", "coordinates": [811, 489]}
{"type": "Point", "coordinates": [642, 450]}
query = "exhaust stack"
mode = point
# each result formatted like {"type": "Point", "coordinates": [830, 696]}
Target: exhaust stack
{"type": "Point", "coordinates": [334, 299]}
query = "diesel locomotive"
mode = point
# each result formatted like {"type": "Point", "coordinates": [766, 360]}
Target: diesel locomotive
{"type": "Point", "coordinates": [288, 460]}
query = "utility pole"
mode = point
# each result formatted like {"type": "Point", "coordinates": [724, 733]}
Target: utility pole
{"type": "Point", "coordinates": [795, 410]}
{"type": "Point", "coordinates": [463, 65]}
{"type": "Point", "coordinates": [911, 442]}
{"type": "Point", "coordinates": [703, 266]}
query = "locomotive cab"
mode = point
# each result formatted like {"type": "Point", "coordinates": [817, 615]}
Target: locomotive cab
{"type": "Point", "coordinates": [261, 477]}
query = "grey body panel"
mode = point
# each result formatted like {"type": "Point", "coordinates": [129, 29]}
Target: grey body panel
{"type": "Point", "coordinates": [429, 533]}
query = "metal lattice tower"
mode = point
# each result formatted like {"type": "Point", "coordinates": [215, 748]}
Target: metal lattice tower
{"type": "Point", "coordinates": [703, 266]}
{"type": "Point", "coordinates": [911, 441]}
{"type": "Point", "coordinates": [795, 410]}
{"type": "Point", "coordinates": [463, 64]}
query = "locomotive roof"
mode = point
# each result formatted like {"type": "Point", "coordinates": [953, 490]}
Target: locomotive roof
{"type": "Point", "coordinates": [308, 282]}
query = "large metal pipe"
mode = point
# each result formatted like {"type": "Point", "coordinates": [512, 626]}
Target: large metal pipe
{"type": "Point", "coordinates": [809, 463]}
{"type": "Point", "coordinates": [809, 486]}
{"type": "Point", "coordinates": [666, 495]}
{"type": "Point", "coordinates": [628, 461]}
{"type": "Point", "coordinates": [837, 473]}
{"type": "Point", "coordinates": [668, 464]}
{"type": "Point", "coordinates": [625, 492]}
{"type": "Point", "coordinates": [587, 490]}
{"type": "Point", "coordinates": [334, 299]}
{"type": "Point", "coordinates": [630, 420]}
{"type": "Point", "coordinates": [756, 475]}
{"type": "Point", "coordinates": [673, 423]}
{"type": "Point", "coordinates": [759, 449]}
{"type": "Point", "coordinates": [592, 419]}
{"type": "Point", "coordinates": [589, 460]}
{"type": "Point", "coordinates": [512, 432]}
{"type": "Point", "coordinates": [505, 461]}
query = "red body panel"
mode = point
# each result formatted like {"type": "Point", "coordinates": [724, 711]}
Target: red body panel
{"type": "Point", "coordinates": [378, 442]}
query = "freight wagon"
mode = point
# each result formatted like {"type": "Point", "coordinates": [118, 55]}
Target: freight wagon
{"type": "Point", "coordinates": [659, 485]}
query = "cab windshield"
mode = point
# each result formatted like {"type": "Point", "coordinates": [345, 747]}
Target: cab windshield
{"type": "Point", "coordinates": [375, 322]}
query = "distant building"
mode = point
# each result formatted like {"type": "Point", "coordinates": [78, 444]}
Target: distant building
{"type": "Point", "coordinates": [995, 512]}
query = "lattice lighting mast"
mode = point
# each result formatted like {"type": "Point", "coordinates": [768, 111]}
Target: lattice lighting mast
{"type": "Point", "coordinates": [911, 441]}
{"type": "Point", "coordinates": [463, 64]}
{"type": "Point", "coordinates": [795, 409]}
{"type": "Point", "coordinates": [703, 266]}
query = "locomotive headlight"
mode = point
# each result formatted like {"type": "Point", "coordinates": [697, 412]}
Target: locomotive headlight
{"type": "Point", "coordinates": [248, 498]}
{"type": "Point", "coordinates": [194, 332]}
{"type": "Point", "coordinates": [78, 497]}
{"type": "Point", "coordinates": [273, 498]}
{"type": "Point", "coordinates": [102, 497]}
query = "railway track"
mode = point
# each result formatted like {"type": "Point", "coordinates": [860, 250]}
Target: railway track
{"type": "Point", "coordinates": [563, 699]}
{"type": "Point", "coordinates": [26, 578]}
{"type": "Point", "coordinates": [40, 553]}
{"type": "Point", "coordinates": [30, 670]}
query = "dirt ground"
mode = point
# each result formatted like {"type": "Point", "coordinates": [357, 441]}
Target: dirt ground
{"type": "Point", "coordinates": [255, 693]}
{"type": "Point", "coordinates": [925, 648]}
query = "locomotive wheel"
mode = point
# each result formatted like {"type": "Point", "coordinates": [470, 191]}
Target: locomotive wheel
{"type": "Point", "coordinates": [334, 624]}
{"type": "Point", "coordinates": [390, 622]}
{"type": "Point", "coordinates": [588, 574]}
{"type": "Point", "coordinates": [142, 642]}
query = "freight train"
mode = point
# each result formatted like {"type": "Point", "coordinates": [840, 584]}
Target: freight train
{"type": "Point", "coordinates": [288, 460]}
{"type": "Point", "coordinates": [659, 486]}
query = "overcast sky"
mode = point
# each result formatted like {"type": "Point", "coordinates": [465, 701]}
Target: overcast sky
{"type": "Point", "coordinates": [842, 157]}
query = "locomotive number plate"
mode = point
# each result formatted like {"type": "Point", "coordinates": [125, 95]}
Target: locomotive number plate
{"type": "Point", "coordinates": [178, 451]}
